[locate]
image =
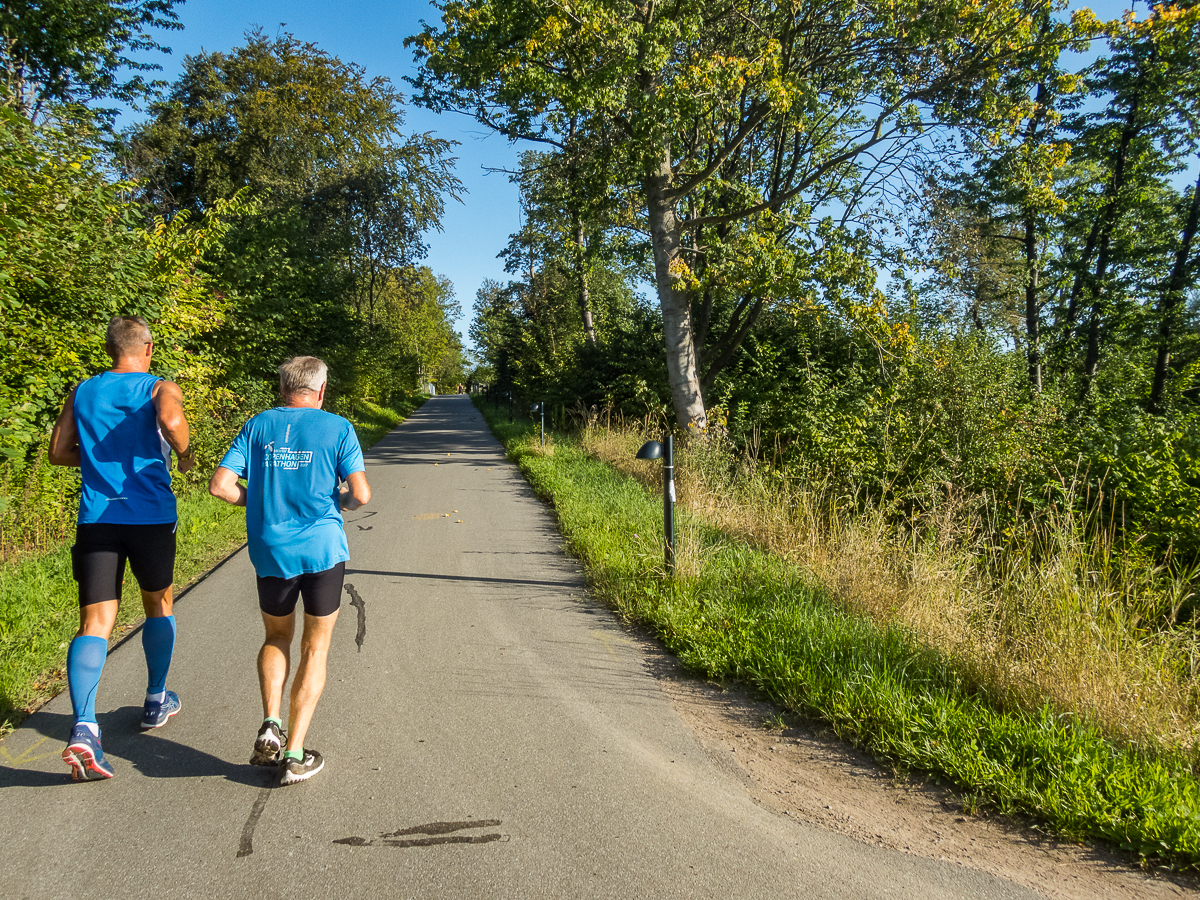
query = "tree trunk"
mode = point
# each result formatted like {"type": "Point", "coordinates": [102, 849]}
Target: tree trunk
{"type": "Point", "coordinates": [1108, 223]}
{"type": "Point", "coordinates": [1033, 319]}
{"type": "Point", "coordinates": [675, 301]}
{"type": "Point", "coordinates": [1107, 219]}
{"type": "Point", "coordinates": [585, 305]}
{"type": "Point", "coordinates": [1170, 302]}
{"type": "Point", "coordinates": [1091, 362]}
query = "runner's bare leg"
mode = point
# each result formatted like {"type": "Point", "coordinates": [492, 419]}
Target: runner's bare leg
{"type": "Point", "coordinates": [310, 676]}
{"type": "Point", "coordinates": [274, 661]}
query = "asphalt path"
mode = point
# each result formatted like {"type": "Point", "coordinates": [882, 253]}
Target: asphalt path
{"type": "Point", "coordinates": [489, 731]}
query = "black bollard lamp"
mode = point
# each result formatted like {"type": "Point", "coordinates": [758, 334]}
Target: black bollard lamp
{"type": "Point", "coordinates": [665, 450]}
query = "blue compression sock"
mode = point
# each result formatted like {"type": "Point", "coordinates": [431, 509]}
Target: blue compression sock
{"type": "Point", "coordinates": [158, 640]}
{"type": "Point", "coordinates": [85, 662]}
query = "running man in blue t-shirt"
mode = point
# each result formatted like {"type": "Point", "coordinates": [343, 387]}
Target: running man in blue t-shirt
{"type": "Point", "coordinates": [120, 428]}
{"type": "Point", "coordinates": [295, 459]}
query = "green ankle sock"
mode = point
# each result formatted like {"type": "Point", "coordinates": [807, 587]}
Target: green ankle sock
{"type": "Point", "coordinates": [293, 754]}
{"type": "Point", "coordinates": [278, 722]}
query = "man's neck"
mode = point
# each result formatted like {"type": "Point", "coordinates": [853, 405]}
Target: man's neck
{"type": "Point", "coordinates": [307, 402]}
{"type": "Point", "coordinates": [127, 364]}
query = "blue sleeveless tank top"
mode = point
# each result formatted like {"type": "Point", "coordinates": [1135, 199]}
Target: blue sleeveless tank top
{"type": "Point", "coordinates": [125, 461]}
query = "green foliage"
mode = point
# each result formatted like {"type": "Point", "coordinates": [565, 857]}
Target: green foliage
{"type": "Point", "coordinates": [281, 116]}
{"type": "Point", "coordinates": [533, 340]}
{"type": "Point", "coordinates": [1149, 476]}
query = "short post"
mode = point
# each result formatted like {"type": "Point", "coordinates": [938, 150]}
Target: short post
{"type": "Point", "coordinates": [669, 500]}
{"type": "Point", "coordinates": [540, 407]}
{"type": "Point", "coordinates": [666, 452]}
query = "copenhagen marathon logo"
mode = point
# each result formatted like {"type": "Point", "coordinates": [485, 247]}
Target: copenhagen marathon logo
{"type": "Point", "coordinates": [283, 458]}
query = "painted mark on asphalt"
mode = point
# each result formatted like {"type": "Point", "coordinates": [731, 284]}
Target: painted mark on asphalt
{"type": "Point", "coordinates": [439, 833]}
{"type": "Point", "coordinates": [357, 602]}
{"type": "Point", "coordinates": [607, 641]}
{"type": "Point", "coordinates": [26, 757]}
{"type": "Point", "coordinates": [246, 847]}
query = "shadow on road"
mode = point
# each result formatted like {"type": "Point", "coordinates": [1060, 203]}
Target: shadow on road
{"type": "Point", "coordinates": [151, 754]}
{"type": "Point", "coordinates": [467, 578]}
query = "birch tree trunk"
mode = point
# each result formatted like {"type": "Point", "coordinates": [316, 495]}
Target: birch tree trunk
{"type": "Point", "coordinates": [585, 305]}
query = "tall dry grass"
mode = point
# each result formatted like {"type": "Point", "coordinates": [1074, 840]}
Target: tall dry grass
{"type": "Point", "coordinates": [1049, 610]}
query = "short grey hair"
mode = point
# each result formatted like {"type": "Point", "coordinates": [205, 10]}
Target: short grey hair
{"type": "Point", "coordinates": [127, 336]}
{"type": "Point", "coordinates": [302, 375]}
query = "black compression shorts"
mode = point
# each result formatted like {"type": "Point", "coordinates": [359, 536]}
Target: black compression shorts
{"type": "Point", "coordinates": [101, 549]}
{"type": "Point", "coordinates": [322, 592]}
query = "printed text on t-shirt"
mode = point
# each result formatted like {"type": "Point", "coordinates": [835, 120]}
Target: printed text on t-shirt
{"type": "Point", "coordinates": [284, 458]}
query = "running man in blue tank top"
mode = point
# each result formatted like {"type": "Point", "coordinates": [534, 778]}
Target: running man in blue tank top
{"type": "Point", "coordinates": [120, 428]}
{"type": "Point", "coordinates": [302, 467]}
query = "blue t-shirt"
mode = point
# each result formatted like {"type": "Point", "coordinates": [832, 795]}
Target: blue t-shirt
{"type": "Point", "coordinates": [125, 462]}
{"type": "Point", "coordinates": [293, 460]}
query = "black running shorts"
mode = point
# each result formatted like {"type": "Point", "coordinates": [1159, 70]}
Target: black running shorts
{"type": "Point", "coordinates": [322, 592]}
{"type": "Point", "coordinates": [101, 548]}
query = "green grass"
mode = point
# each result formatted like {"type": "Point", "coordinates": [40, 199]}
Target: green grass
{"type": "Point", "coordinates": [39, 610]}
{"type": "Point", "coordinates": [740, 613]}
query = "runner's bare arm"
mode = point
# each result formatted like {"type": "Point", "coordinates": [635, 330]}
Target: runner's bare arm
{"type": "Point", "coordinates": [168, 405]}
{"type": "Point", "coordinates": [356, 492]}
{"type": "Point", "coordinates": [224, 484]}
{"type": "Point", "coordinates": [64, 439]}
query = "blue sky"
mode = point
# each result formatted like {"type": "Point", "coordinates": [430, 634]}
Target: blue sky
{"type": "Point", "coordinates": [371, 33]}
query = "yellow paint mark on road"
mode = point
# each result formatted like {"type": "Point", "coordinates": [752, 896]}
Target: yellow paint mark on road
{"type": "Point", "coordinates": [24, 759]}
{"type": "Point", "coordinates": [428, 516]}
{"type": "Point", "coordinates": [607, 640]}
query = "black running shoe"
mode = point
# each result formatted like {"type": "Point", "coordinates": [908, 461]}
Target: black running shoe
{"type": "Point", "coordinates": [268, 745]}
{"type": "Point", "coordinates": [295, 770]}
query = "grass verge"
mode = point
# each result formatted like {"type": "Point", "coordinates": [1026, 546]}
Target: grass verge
{"type": "Point", "coordinates": [740, 613]}
{"type": "Point", "coordinates": [39, 610]}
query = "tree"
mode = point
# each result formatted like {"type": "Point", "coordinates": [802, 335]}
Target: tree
{"type": "Point", "coordinates": [74, 51]}
{"type": "Point", "coordinates": [281, 117]}
{"type": "Point", "coordinates": [745, 114]}
{"type": "Point", "coordinates": [343, 196]}
{"type": "Point", "coordinates": [1133, 145]}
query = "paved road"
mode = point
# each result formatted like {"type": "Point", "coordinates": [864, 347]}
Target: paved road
{"type": "Point", "coordinates": [489, 731]}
